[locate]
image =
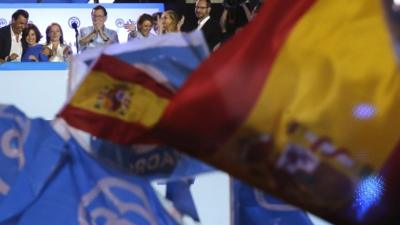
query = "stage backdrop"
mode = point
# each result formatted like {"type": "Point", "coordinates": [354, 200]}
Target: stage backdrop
{"type": "Point", "coordinates": [65, 14]}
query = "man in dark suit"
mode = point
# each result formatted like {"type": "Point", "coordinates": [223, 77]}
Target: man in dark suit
{"type": "Point", "coordinates": [10, 37]}
{"type": "Point", "coordinates": [210, 27]}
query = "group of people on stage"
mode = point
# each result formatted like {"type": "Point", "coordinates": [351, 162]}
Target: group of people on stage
{"type": "Point", "coordinates": [19, 41]}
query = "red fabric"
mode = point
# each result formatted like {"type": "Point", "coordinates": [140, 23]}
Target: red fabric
{"type": "Point", "coordinates": [220, 94]}
{"type": "Point", "coordinates": [99, 125]}
{"type": "Point", "coordinates": [125, 72]}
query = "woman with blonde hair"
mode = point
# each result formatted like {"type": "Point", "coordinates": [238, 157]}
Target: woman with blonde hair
{"type": "Point", "coordinates": [170, 22]}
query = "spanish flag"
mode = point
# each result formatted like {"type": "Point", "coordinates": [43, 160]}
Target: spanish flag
{"type": "Point", "coordinates": [116, 101]}
{"type": "Point", "coordinates": [303, 103]}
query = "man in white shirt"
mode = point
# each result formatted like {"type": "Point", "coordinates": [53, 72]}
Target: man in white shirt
{"type": "Point", "coordinates": [97, 35]}
{"type": "Point", "coordinates": [210, 27]}
{"type": "Point", "coordinates": [10, 37]}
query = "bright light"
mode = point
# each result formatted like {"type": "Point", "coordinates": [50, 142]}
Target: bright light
{"type": "Point", "coordinates": [368, 193]}
{"type": "Point", "coordinates": [364, 111]}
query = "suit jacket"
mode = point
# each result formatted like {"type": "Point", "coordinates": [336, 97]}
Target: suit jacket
{"type": "Point", "coordinates": [212, 33]}
{"type": "Point", "coordinates": [5, 41]}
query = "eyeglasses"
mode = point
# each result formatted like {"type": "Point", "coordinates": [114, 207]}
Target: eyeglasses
{"type": "Point", "coordinates": [200, 7]}
{"type": "Point", "coordinates": [97, 16]}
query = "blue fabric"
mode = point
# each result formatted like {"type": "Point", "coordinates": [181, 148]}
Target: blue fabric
{"type": "Point", "coordinates": [179, 193]}
{"type": "Point", "coordinates": [252, 207]}
{"type": "Point", "coordinates": [34, 51]}
{"type": "Point", "coordinates": [84, 190]}
{"type": "Point", "coordinates": [44, 1]}
{"type": "Point", "coordinates": [37, 150]}
{"type": "Point", "coordinates": [176, 63]}
{"type": "Point", "coordinates": [58, 181]}
{"type": "Point", "coordinates": [174, 55]}
{"type": "Point", "coordinates": [154, 162]}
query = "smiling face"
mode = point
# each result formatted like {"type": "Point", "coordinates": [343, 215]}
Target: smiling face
{"type": "Point", "coordinates": [169, 21]}
{"type": "Point", "coordinates": [19, 24]}
{"type": "Point", "coordinates": [166, 20]}
{"type": "Point", "coordinates": [31, 38]}
{"type": "Point", "coordinates": [145, 27]}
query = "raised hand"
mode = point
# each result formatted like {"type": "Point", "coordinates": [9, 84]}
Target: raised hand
{"type": "Point", "coordinates": [181, 22]}
{"type": "Point", "coordinates": [130, 25]}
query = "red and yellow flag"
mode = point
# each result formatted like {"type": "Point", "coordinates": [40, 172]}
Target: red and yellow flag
{"type": "Point", "coordinates": [305, 103]}
{"type": "Point", "coordinates": [116, 101]}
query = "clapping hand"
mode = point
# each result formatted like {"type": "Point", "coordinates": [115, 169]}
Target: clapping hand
{"type": "Point", "coordinates": [46, 51]}
{"type": "Point", "coordinates": [32, 58]}
{"type": "Point", "coordinates": [12, 57]}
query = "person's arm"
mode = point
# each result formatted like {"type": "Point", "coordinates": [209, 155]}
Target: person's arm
{"type": "Point", "coordinates": [67, 51]}
{"type": "Point", "coordinates": [104, 36]}
{"type": "Point", "coordinates": [86, 39]}
{"type": "Point", "coordinates": [222, 20]}
{"type": "Point", "coordinates": [181, 22]}
{"type": "Point", "coordinates": [32, 58]}
{"type": "Point", "coordinates": [11, 57]}
{"type": "Point", "coordinates": [47, 51]}
{"type": "Point", "coordinates": [43, 57]}
{"type": "Point", "coordinates": [161, 28]}
{"type": "Point", "coordinates": [130, 26]}
{"type": "Point", "coordinates": [246, 10]}
{"type": "Point", "coordinates": [115, 37]}
{"type": "Point", "coordinates": [132, 35]}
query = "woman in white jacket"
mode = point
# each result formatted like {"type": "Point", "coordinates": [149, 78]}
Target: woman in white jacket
{"type": "Point", "coordinates": [56, 49]}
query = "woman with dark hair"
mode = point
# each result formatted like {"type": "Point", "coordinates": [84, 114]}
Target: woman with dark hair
{"type": "Point", "coordinates": [32, 50]}
{"type": "Point", "coordinates": [144, 25]}
{"type": "Point", "coordinates": [55, 47]}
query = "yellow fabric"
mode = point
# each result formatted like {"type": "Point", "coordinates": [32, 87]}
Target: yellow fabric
{"type": "Point", "coordinates": [137, 104]}
{"type": "Point", "coordinates": [338, 62]}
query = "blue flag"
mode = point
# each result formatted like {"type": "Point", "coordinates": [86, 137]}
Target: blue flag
{"type": "Point", "coordinates": [148, 161]}
{"type": "Point", "coordinates": [178, 192]}
{"type": "Point", "coordinates": [13, 132]}
{"type": "Point", "coordinates": [253, 207]}
{"type": "Point", "coordinates": [52, 180]}
{"type": "Point", "coordinates": [84, 192]}
{"type": "Point", "coordinates": [30, 150]}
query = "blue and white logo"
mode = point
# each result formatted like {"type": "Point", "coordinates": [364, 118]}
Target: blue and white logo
{"type": "Point", "coordinates": [74, 20]}
{"type": "Point", "coordinates": [12, 141]}
{"type": "Point", "coordinates": [110, 189]}
{"type": "Point", "coordinates": [119, 22]}
{"type": "Point", "coordinates": [3, 22]}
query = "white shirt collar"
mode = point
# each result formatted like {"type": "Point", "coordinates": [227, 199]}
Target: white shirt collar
{"type": "Point", "coordinates": [202, 22]}
{"type": "Point", "coordinates": [14, 36]}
